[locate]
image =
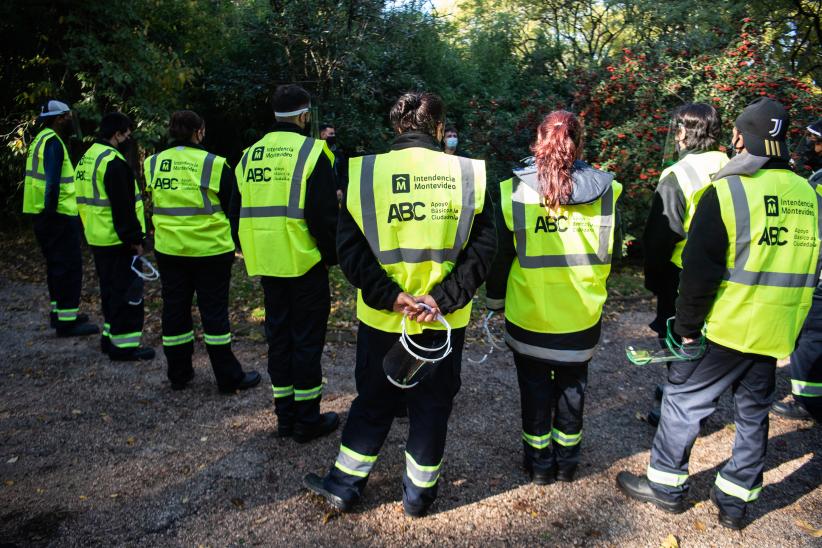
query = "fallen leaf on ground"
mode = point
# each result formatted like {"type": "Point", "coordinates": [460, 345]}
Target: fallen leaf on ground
{"type": "Point", "coordinates": [204, 438]}
{"type": "Point", "coordinates": [699, 526]}
{"type": "Point", "coordinates": [9, 483]}
{"type": "Point", "coordinates": [83, 497]}
{"type": "Point", "coordinates": [328, 516]}
{"type": "Point", "coordinates": [730, 426]}
{"type": "Point", "coordinates": [13, 460]}
{"type": "Point", "coordinates": [808, 528]}
{"type": "Point", "coordinates": [238, 503]}
{"type": "Point", "coordinates": [639, 416]}
{"type": "Point", "coordinates": [670, 542]}
{"type": "Point", "coordinates": [131, 440]}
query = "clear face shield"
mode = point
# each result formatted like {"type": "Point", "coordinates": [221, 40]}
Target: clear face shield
{"type": "Point", "coordinates": [670, 151]}
{"type": "Point", "coordinates": [408, 362]}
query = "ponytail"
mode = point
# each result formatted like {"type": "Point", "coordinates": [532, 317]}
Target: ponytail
{"type": "Point", "coordinates": [558, 145]}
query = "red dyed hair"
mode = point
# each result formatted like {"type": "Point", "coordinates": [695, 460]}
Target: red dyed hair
{"type": "Point", "coordinates": [559, 140]}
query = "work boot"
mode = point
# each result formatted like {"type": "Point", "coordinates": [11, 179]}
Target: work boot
{"type": "Point", "coordinates": [131, 354]}
{"type": "Point", "coordinates": [182, 383]}
{"type": "Point", "coordinates": [566, 474]}
{"type": "Point", "coordinates": [284, 429]}
{"type": "Point", "coordinates": [414, 511]}
{"type": "Point", "coordinates": [726, 520]}
{"type": "Point", "coordinates": [54, 322]}
{"type": "Point", "coordinates": [303, 433]}
{"type": "Point", "coordinates": [314, 483]}
{"type": "Point", "coordinates": [105, 344]}
{"type": "Point", "coordinates": [539, 477]}
{"type": "Point", "coordinates": [790, 410]}
{"type": "Point", "coordinates": [77, 329]}
{"type": "Point", "coordinates": [249, 380]}
{"type": "Point", "coordinates": [638, 488]}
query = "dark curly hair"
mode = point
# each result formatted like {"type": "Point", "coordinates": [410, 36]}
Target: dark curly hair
{"type": "Point", "coordinates": [418, 112]}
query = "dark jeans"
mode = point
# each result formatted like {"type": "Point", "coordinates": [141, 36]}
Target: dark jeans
{"type": "Point", "coordinates": [296, 314]}
{"type": "Point", "coordinates": [209, 278]}
{"type": "Point", "coordinates": [806, 360]}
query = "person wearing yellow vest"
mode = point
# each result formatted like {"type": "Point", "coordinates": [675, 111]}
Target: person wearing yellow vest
{"type": "Point", "coordinates": [697, 134]}
{"type": "Point", "coordinates": [190, 191]}
{"type": "Point", "coordinates": [286, 213]}
{"type": "Point", "coordinates": [806, 361]}
{"type": "Point", "coordinates": [556, 238]}
{"type": "Point", "coordinates": [749, 271]}
{"type": "Point", "coordinates": [111, 207]}
{"type": "Point", "coordinates": [49, 195]}
{"type": "Point", "coordinates": [417, 228]}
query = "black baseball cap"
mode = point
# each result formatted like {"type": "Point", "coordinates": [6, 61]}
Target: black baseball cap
{"type": "Point", "coordinates": [764, 126]}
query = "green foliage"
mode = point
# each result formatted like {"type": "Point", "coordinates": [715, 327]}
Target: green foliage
{"type": "Point", "coordinates": [500, 65]}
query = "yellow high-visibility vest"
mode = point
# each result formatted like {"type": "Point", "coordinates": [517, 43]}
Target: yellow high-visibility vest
{"type": "Point", "coordinates": [415, 207]}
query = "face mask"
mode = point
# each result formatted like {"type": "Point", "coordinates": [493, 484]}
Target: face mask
{"type": "Point", "coordinates": [331, 141]}
{"type": "Point", "coordinates": [451, 142]}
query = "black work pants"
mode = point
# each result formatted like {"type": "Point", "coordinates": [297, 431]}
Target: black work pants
{"type": "Point", "coordinates": [373, 410]}
{"type": "Point", "coordinates": [806, 360]}
{"type": "Point", "coordinates": [552, 397]}
{"type": "Point", "coordinates": [59, 239]}
{"type": "Point", "coordinates": [122, 305]}
{"type": "Point", "coordinates": [296, 317]}
{"type": "Point", "coordinates": [693, 398]}
{"type": "Point", "coordinates": [209, 278]}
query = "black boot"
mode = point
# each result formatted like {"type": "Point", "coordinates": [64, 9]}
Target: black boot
{"type": "Point", "coordinates": [54, 322]}
{"type": "Point", "coordinates": [566, 474]}
{"type": "Point", "coordinates": [790, 410]}
{"type": "Point", "coordinates": [303, 433]}
{"type": "Point", "coordinates": [249, 380]}
{"type": "Point", "coordinates": [314, 483]}
{"type": "Point", "coordinates": [638, 488]}
{"type": "Point", "coordinates": [131, 354]}
{"type": "Point", "coordinates": [539, 477]}
{"type": "Point", "coordinates": [180, 384]}
{"type": "Point", "coordinates": [77, 329]}
{"type": "Point", "coordinates": [726, 520]}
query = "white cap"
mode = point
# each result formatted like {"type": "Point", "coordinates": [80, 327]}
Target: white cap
{"type": "Point", "coordinates": [53, 108]}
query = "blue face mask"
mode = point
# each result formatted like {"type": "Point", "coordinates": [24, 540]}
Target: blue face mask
{"type": "Point", "coordinates": [451, 142]}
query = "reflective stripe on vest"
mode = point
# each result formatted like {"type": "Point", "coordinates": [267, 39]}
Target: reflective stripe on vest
{"type": "Point", "coordinates": [412, 255]}
{"type": "Point", "coordinates": [205, 179]}
{"type": "Point", "coordinates": [738, 274]}
{"type": "Point", "coordinates": [774, 232]}
{"type": "Point", "coordinates": [415, 208]}
{"type": "Point", "coordinates": [602, 256]}
{"type": "Point", "coordinates": [293, 209]}
{"type": "Point", "coordinates": [92, 200]}
{"type": "Point", "coordinates": [184, 182]}
{"type": "Point", "coordinates": [272, 178]}
{"type": "Point", "coordinates": [34, 184]}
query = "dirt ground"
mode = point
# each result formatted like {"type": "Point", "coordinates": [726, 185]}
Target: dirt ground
{"type": "Point", "coordinates": [100, 453]}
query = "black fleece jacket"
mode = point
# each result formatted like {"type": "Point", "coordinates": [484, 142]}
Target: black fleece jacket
{"type": "Point", "coordinates": [321, 207]}
{"type": "Point", "coordinates": [379, 291]}
{"type": "Point", "coordinates": [705, 256]}
{"type": "Point", "coordinates": [120, 187]}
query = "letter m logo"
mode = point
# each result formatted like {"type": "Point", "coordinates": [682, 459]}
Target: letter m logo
{"type": "Point", "coordinates": [771, 206]}
{"type": "Point", "coordinates": [257, 154]}
{"type": "Point", "coordinates": [165, 165]}
{"type": "Point", "coordinates": [401, 183]}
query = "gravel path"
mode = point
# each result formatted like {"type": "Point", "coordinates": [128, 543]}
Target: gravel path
{"type": "Point", "coordinates": [100, 453]}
